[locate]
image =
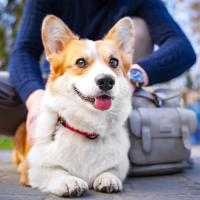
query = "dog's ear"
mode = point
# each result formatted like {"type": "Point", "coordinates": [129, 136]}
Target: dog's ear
{"type": "Point", "coordinates": [55, 35]}
{"type": "Point", "coordinates": [123, 34]}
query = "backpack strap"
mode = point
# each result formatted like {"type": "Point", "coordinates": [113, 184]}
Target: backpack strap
{"type": "Point", "coordinates": [146, 133]}
{"type": "Point", "coordinates": [184, 129]}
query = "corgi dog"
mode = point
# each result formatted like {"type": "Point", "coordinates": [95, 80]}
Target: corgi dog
{"type": "Point", "coordinates": [80, 141]}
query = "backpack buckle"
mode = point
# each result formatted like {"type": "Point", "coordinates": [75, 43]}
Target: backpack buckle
{"type": "Point", "coordinates": [158, 101]}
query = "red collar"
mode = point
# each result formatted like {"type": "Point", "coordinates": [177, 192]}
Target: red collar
{"type": "Point", "coordinates": [91, 136]}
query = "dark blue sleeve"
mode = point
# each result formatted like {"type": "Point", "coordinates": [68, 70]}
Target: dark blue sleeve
{"type": "Point", "coordinates": [175, 55]}
{"type": "Point", "coordinates": [24, 59]}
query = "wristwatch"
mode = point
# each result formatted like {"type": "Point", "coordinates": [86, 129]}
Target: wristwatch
{"type": "Point", "coordinates": [137, 77]}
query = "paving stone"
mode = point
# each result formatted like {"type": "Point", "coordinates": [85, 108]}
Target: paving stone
{"type": "Point", "coordinates": [5, 155]}
{"type": "Point", "coordinates": [20, 197]}
{"type": "Point", "coordinates": [161, 197]}
{"type": "Point", "coordinates": [184, 185]}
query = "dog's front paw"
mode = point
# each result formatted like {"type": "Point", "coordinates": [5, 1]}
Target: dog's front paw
{"type": "Point", "coordinates": [71, 187]}
{"type": "Point", "coordinates": [107, 182]}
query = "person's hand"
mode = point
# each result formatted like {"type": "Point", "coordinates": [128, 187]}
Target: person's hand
{"type": "Point", "coordinates": [33, 106]}
{"type": "Point", "coordinates": [146, 78]}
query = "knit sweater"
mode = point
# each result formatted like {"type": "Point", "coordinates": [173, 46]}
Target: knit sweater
{"type": "Point", "coordinates": [92, 19]}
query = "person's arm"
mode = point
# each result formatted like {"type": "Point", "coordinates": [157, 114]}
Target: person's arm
{"type": "Point", "coordinates": [33, 103]}
{"type": "Point", "coordinates": [175, 55]}
{"type": "Point", "coordinates": [24, 60]}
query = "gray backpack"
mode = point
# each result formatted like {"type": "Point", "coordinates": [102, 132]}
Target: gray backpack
{"type": "Point", "coordinates": [160, 133]}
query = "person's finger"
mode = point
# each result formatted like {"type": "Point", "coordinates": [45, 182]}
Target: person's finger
{"type": "Point", "coordinates": [28, 130]}
{"type": "Point", "coordinates": [27, 124]}
{"type": "Point", "coordinates": [31, 133]}
{"type": "Point", "coordinates": [29, 127]}
{"type": "Point", "coordinates": [132, 86]}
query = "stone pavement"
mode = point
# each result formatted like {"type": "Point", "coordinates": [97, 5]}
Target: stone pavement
{"type": "Point", "coordinates": [184, 185]}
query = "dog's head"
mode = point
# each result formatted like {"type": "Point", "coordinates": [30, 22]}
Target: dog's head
{"type": "Point", "coordinates": [90, 74]}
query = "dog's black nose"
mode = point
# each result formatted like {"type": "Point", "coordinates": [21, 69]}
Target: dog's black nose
{"type": "Point", "coordinates": [105, 82]}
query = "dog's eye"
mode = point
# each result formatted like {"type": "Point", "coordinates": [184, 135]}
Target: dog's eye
{"type": "Point", "coordinates": [81, 63]}
{"type": "Point", "coordinates": [113, 63]}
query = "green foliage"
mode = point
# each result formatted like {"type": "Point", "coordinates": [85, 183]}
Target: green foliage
{"type": "Point", "coordinates": [6, 143]}
{"type": "Point", "coordinates": [10, 16]}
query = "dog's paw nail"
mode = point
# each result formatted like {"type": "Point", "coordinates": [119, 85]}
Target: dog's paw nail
{"type": "Point", "coordinates": [109, 183]}
{"type": "Point", "coordinates": [74, 193]}
{"type": "Point", "coordinates": [73, 187]}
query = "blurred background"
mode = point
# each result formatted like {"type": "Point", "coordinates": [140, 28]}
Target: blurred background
{"type": "Point", "coordinates": [185, 12]}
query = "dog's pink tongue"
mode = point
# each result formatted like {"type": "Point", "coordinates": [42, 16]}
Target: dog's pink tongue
{"type": "Point", "coordinates": [103, 102]}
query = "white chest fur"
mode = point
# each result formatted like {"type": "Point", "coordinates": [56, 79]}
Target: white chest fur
{"type": "Point", "coordinates": [80, 156]}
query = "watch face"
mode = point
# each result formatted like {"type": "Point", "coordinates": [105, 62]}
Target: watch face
{"type": "Point", "coordinates": [137, 76]}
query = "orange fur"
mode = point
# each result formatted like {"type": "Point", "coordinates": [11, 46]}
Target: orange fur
{"type": "Point", "coordinates": [24, 174]}
{"type": "Point", "coordinates": [65, 62]}
{"type": "Point", "coordinates": [69, 49]}
{"type": "Point", "coordinates": [52, 19]}
{"type": "Point", "coordinates": [112, 35]}
{"type": "Point", "coordinates": [105, 48]}
{"type": "Point", "coordinates": [20, 151]}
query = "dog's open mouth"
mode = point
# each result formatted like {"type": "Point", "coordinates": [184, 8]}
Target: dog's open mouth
{"type": "Point", "coordinates": [102, 102]}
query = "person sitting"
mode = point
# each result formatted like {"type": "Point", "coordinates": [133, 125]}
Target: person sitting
{"type": "Point", "coordinates": [22, 89]}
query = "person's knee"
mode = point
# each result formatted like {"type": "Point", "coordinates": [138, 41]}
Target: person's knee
{"type": "Point", "coordinates": [7, 90]}
{"type": "Point", "coordinates": [12, 109]}
{"type": "Point", "coordinates": [143, 41]}
{"type": "Point", "coordinates": [4, 74]}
